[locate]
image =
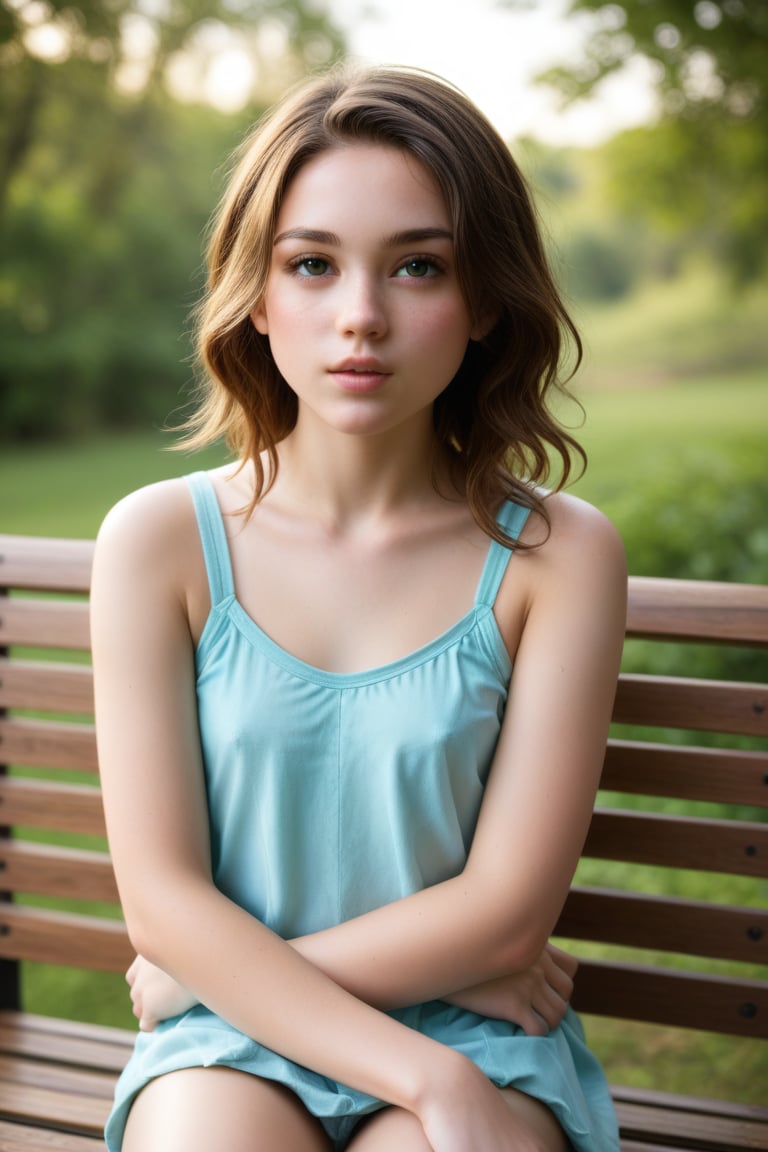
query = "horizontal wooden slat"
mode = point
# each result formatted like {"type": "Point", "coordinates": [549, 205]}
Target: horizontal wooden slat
{"type": "Point", "coordinates": [63, 938]}
{"type": "Point", "coordinates": [642, 1146]}
{"type": "Point", "coordinates": [693, 1105]}
{"type": "Point", "coordinates": [44, 623]}
{"type": "Point", "coordinates": [48, 744]}
{"type": "Point", "coordinates": [84, 1115]}
{"type": "Point", "coordinates": [680, 999]}
{"type": "Point", "coordinates": [694, 928]}
{"type": "Point", "coordinates": [96, 1046]}
{"type": "Point", "coordinates": [44, 686]}
{"type": "Point", "coordinates": [50, 1073]}
{"type": "Point", "coordinates": [45, 563]}
{"type": "Point", "coordinates": [739, 847]}
{"type": "Point", "coordinates": [697, 610]}
{"type": "Point", "coordinates": [701, 705]}
{"type": "Point", "coordinates": [710, 774]}
{"type": "Point", "coordinates": [53, 870]}
{"type": "Point", "coordinates": [25, 1138]}
{"type": "Point", "coordinates": [702, 1132]}
{"type": "Point", "coordinates": [57, 1071]}
{"type": "Point", "coordinates": [47, 804]}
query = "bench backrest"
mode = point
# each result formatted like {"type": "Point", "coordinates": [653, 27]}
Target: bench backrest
{"type": "Point", "coordinates": [58, 900]}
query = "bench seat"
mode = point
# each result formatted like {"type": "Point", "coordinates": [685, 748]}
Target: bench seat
{"type": "Point", "coordinates": [57, 1078]}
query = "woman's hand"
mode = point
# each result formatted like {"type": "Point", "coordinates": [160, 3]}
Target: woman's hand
{"type": "Point", "coordinates": [155, 995]}
{"type": "Point", "coordinates": [535, 999]}
{"type": "Point", "coordinates": [463, 1110]}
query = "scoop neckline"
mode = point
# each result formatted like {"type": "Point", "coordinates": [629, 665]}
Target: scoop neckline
{"type": "Point", "coordinates": [293, 664]}
{"type": "Point", "coordinates": [225, 598]}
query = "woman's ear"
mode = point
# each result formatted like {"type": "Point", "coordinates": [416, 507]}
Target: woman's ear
{"type": "Point", "coordinates": [259, 319]}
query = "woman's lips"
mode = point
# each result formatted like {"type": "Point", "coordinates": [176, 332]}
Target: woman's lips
{"type": "Point", "coordinates": [359, 381]}
{"type": "Point", "coordinates": [359, 376]}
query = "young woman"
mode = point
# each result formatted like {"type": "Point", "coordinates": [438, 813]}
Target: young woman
{"type": "Point", "coordinates": [343, 830]}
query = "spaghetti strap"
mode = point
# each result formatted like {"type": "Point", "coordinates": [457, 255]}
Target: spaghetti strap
{"type": "Point", "coordinates": [511, 518]}
{"type": "Point", "coordinates": [218, 564]}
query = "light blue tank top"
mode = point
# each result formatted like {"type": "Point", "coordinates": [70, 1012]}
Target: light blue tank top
{"type": "Point", "coordinates": [331, 794]}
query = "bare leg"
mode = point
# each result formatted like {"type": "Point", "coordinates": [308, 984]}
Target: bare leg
{"type": "Point", "coordinates": [199, 1109]}
{"type": "Point", "coordinates": [531, 1123]}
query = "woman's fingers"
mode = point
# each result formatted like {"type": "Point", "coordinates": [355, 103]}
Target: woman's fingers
{"type": "Point", "coordinates": [562, 960]}
{"type": "Point", "coordinates": [560, 971]}
{"type": "Point", "coordinates": [550, 1007]}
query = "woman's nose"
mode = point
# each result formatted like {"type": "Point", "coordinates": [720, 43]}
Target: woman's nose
{"type": "Point", "coordinates": [361, 309]}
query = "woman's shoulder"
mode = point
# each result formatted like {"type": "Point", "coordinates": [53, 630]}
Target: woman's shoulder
{"type": "Point", "coordinates": [577, 542]}
{"type": "Point", "coordinates": [152, 536]}
{"type": "Point", "coordinates": [155, 515]}
{"type": "Point", "coordinates": [574, 520]}
{"type": "Point", "coordinates": [573, 565]}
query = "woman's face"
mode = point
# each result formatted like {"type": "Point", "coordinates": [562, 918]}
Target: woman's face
{"type": "Point", "coordinates": [363, 310]}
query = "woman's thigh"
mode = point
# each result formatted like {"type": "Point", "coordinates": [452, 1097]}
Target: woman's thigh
{"type": "Point", "coordinates": [199, 1109]}
{"type": "Point", "coordinates": [532, 1126]}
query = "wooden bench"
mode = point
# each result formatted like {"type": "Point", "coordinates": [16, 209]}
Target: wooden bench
{"type": "Point", "coordinates": [56, 1076]}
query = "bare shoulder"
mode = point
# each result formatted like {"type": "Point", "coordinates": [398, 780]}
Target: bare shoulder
{"type": "Point", "coordinates": [577, 556]}
{"type": "Point", "coordinates": [574, 569]}
{"type": "Point", "coordinates": [155, 517]}
{"type": "Point", "coordinates": [574, 535]}
{"type": "Point", "coordinates": [148, 546]}
{"type": "Point", "coordinates": [580, 537]}
{"type": "Point", "coordinates": [580, 570]}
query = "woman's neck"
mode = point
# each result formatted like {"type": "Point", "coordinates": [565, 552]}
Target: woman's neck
{"type": "Point", "coordinates": [350, 482]}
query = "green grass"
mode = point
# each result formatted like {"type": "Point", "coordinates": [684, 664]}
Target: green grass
{"type": "Point", "coordinates": [633, 434]}
{"type": "Point", "coordinates": [67, 489]}
{"type": "Point", "coordinates": [674, 1060]}
{"type": "Point", "coordinates": [685, 328]}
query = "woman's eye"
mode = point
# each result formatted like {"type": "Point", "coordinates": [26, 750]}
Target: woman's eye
{"type": "Point", "coordinates": [310, 266]}
{"type": "Point", "coordinates": [417, 268]}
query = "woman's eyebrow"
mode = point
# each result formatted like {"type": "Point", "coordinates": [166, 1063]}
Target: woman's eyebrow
{"type": "Point", "coordinates": [395, 240]}
{"type": "Point", "coordinates": [416, 235]}
{"type": "Point", "coordinates": [313, 234]}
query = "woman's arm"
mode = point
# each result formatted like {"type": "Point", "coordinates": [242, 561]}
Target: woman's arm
{"type": "Point", "coordinates": [155, 806]}
{"type": "Point", "coordinates": [536, 999]}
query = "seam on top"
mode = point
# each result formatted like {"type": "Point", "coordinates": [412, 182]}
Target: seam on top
{"type": "Point", "coordinates": [494, 646]}
{"type": "Point", "coordinates": [215, 625]}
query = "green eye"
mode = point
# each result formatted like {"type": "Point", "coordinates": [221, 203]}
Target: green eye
{"type": "Point", "coordinates": [311, 266]}
{"type": "Point", "coordinates": [417, 268]}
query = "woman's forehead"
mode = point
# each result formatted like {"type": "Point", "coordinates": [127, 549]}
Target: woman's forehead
{"type": "Point", "coordinates": [360, 178]}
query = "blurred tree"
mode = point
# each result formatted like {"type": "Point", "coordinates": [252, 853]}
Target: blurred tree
{"type": "Point", "coordinates": [107, 178]}
{"type": "Point", "coordinates": [703, 168]}
{"type": "Point", "coordinates": [134, 44]}
{"type": "Point", "coordinates": [599, 252]}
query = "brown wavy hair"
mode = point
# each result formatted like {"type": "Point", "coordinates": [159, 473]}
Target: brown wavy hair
{"type": "Point", "coordinates": [493, 417]}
